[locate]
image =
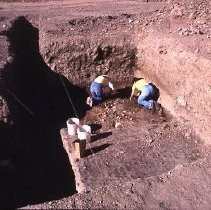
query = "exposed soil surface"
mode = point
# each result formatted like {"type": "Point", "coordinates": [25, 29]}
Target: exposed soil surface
{"type": "Point", "coordinates": [134, 159]}
{"type": "Point", "coordinates": [137, 158]}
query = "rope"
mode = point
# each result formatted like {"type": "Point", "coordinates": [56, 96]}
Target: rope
{"type": "Point", "coordinates": [68, 95]}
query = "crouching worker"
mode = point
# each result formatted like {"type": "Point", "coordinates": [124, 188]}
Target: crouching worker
{"type": "Point", "coordinates": [96, 89]}
{"type": "Point", "coordinates": [147, 94]}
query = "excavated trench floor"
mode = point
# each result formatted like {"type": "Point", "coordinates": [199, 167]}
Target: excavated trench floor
{"type": "Point", "coordinates": [131, 151]}
{"type": "Point", "coordinates": [130, 142]}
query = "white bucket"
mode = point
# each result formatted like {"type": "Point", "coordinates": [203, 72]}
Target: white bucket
{"type": "Point", "coordinates": [84, 132]}
{"type": "Point", "coordinates": [87, 128]}
{"type": "Point", "coordinates": [75, 120]}
{"type": "Point", "coordinates": [71, 127]}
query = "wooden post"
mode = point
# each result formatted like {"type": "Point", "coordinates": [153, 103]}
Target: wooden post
{"type": "Point", "coordinates": [80, 147]}
{"type": "Point", "coordinates": [71, 146]}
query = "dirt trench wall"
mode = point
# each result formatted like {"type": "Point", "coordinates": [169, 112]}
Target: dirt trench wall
{"type": "Point", "coordinates": [183, 78]}
{"type": "Point", "coordinates": [85, 49]}
{"type": "Point", "coordinates": [81, 61]}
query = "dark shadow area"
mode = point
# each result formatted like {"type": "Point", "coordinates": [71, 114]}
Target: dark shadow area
{"type": "Point", "coordinates": [6, 134]}
{"type": "Point", "coordinates": [100, 136]}
{"type": "Point", "coordinates": [97, 149]}
{"type": "Point", "coordinates": [38, 104]}
{"type": "Point", "coordinates": [95, 127]}
{"type": "Point", "coordinates": [157, 92]}
{"type": "Point", "coordinates": [121, 93]}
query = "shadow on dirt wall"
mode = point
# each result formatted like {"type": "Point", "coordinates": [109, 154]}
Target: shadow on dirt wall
{"type": "Point", "coordinates": [38, 105]}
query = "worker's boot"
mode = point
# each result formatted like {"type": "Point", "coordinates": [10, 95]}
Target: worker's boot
{"type": "Point", "coordinates": [89, 101]}
{"type": "Point", "coordinates": [156, 107]}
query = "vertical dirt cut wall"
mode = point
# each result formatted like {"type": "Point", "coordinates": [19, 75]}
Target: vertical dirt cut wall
{"type": "Point", "coordinates": [83, 48]}
{"type": "Point", "coordinates": [183, 78]}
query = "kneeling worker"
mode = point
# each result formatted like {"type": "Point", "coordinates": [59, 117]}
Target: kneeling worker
{"type": "Point", "coordinates": [146, 93]}
{"type": "Point", "coordinates": [96, 90]}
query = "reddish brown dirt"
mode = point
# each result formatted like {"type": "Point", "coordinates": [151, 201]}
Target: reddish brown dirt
{"type": "Point", "coordinates": [133, 152]}
{"type": "Point", "coordinates": [137, 159]}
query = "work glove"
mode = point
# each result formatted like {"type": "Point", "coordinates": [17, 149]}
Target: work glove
{"type": "Point", "coordinates": [111, 86]}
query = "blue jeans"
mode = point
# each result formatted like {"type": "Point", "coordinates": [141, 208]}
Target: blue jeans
{"type": "Point", "coordinates": [147, 96]}
{"type": "Point", "coordinates": [97, 92]}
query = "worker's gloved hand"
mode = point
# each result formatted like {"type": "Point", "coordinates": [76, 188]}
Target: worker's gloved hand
{"type": "Point", "coordinates": [111, 86]}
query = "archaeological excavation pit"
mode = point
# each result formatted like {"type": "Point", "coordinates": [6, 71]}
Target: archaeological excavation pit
{"type": "Point", "coordinates": [45, 80]}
